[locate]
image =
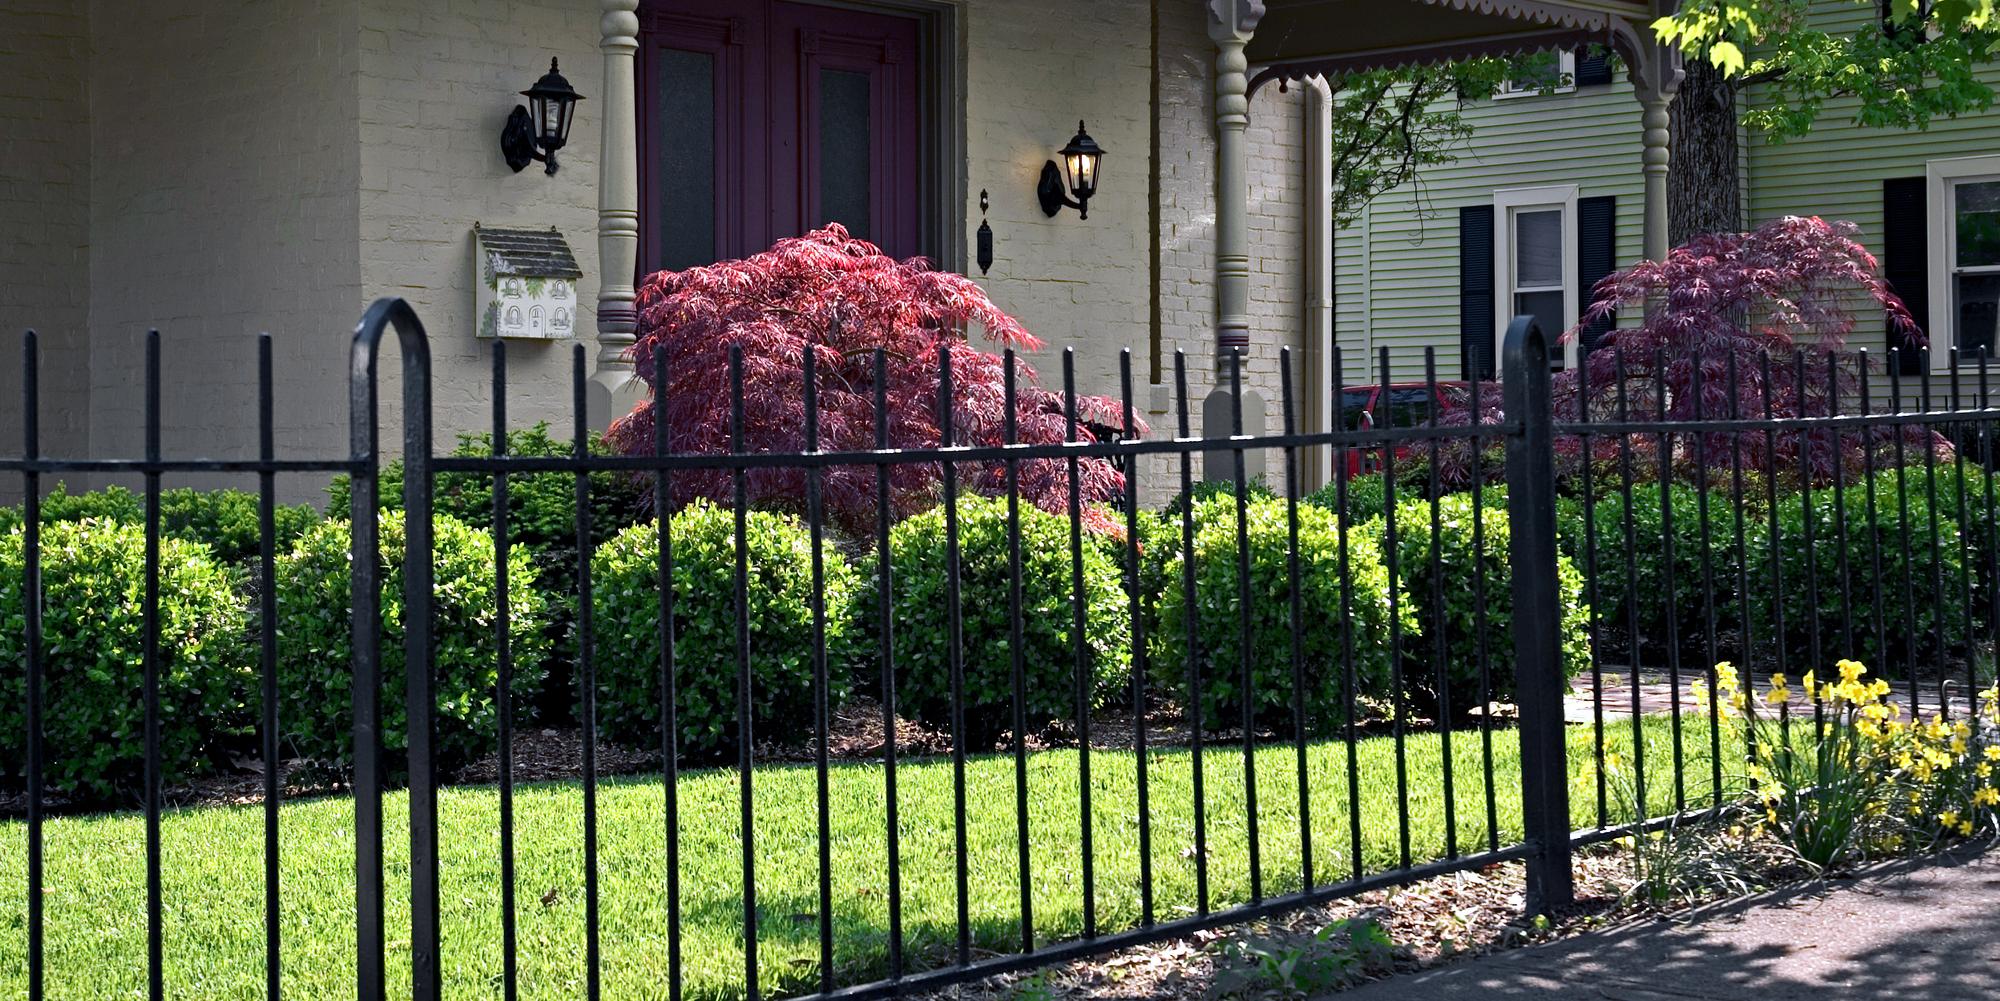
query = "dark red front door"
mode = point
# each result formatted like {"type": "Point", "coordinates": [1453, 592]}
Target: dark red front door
{"type": "Point", "coordinates": [763, 119]}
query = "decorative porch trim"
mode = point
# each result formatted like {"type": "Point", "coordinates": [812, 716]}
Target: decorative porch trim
{"type": "Point", "coordinates": [1515, 44]}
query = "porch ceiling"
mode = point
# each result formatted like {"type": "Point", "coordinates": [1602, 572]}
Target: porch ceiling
{"type": "Point", "coordinates": [1299, 38]}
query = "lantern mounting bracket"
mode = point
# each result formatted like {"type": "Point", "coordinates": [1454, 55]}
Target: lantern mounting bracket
{"type": "Point", "coordinates": [1054, 197]}
{"type": "Point", "coordinates": [517, 141]}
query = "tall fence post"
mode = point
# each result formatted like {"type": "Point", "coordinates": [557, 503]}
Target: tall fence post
{"type": "Point", "coordinates": [1537, 618]}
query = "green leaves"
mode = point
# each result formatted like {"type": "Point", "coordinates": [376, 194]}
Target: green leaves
{"type": "Point", "coordinates": [93, 576]}
{"type": "Point", "coordinates": [1903, 69]}
{"type": "Point", "coordinates": [1459, 583]}
{"type": "Point", "coordinates": [1328, 631]}
{"type": "Point", "coordinates": [1878, 544]}
{"type": "Point", "coordinates": [314, 674]}
{"type": "Point", "coordinates": [921, 624]}
{"type": "Point", "coordinates": [626, 618]}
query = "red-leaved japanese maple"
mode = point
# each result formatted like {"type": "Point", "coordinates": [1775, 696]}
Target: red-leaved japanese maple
{"type": "Point", "coordinates": [842, 299]}
{"type": "Point", "coordinates": [1756, 322]}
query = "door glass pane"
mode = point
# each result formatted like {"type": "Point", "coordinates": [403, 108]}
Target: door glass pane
{"type": "Point", "coordinates": [1546, 308]}
{"type": "Point", "coordinates": [843, 150]}
{"type": "Point", "coordinates": [1978, 213]}
{"type": "Point", "coordinates": [686, 158]}
{"type": "Point", "coordinates": [1976, 314]}
{"type": "Point", "coordinates": [1538, 249]}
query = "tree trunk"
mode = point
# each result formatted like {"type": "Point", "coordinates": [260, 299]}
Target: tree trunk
{"type": "Point", "coordinates": [1704, 184]}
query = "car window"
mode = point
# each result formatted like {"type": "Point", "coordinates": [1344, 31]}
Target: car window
{"type": "Point", "coordinates": [1353, 403]}
{"type": "Point", "coordinates": [1409, 407]}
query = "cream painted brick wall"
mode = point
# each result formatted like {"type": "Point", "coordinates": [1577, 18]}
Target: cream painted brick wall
{"type": "Point", "coordinates": [438, 78]}
{"type": "Point", "coordinates": [45, 219]}
{"type": "Point", "coordinates": [223, 180]}
{"type": "Point", "coordinates": [1033, 68]}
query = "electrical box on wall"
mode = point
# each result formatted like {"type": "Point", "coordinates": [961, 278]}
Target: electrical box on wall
{"type": "Point", "coordinates": [527, 284]}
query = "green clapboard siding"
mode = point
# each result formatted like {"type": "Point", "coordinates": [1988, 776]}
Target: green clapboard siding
{"type": "Point", "coordinates": [1396, 268]}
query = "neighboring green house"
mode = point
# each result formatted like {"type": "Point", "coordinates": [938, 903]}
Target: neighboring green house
{"type": "Point", "coordinates": [1543, 201]}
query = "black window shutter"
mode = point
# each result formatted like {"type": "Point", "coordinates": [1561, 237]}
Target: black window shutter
{"type": "Point", "coordinates": [1475, 290]}
{"type": "Point", "coordinates": [1596, 257]}
{"type": "Point", "coordinates": [1906, 256]}
{"type": "Point", "coordinates": [1593, 66]}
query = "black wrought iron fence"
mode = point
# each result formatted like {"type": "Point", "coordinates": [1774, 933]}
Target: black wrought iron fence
{"type": "Point", "coordinates": [970, 735]}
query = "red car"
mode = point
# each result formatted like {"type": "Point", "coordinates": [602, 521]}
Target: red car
{"type": "Point", "coordinates": [1398, 404]}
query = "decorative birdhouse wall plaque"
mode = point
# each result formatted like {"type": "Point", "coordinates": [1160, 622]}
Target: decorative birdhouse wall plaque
{"type": "Point", "coordinates": [527, 283]}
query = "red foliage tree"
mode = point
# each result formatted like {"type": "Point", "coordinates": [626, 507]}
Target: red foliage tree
{"type": "Point", "coordinates": [842, 298]}
{"type": "Point", "coordinates": [1773, 305]}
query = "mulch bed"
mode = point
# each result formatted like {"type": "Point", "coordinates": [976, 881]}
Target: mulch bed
{"type": "Point", "coordinates": [1431, 923]}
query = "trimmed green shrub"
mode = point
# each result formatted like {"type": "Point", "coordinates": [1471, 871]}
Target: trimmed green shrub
{"type": "Point", "coordinates": [1916, 579]}
{"type": "Point", "coordinates": [224, 520]}
{"type": "Point", "coordinates": [315, 676]}
{"type": "Point", "coordinates": [1640, 594]}
{"type": "Point", "coordinates": [227, 521]}
{"type": "Point", "coordinates": [1457, 627]}
{"type": "Point", "coordinates": [541, 520]}
{"type": "Point", "coordinates": [1961, 494]}
{"type": "Point", "coordinates": [1569, 525]}
{"type": "Point", "coordinates": [113, 503]}
{"type": "Point", "coordinates": [93, 628]}
{"type": "Point", "coordinates": [1367, 497]}
{"type": "Point", "coordinates": [626, 622]}
{"type": "Point", "coordinates": [1159, 545]}
{"type": "Point", "coordinates": [1325, 632]}
{"type": "Point", "coordinates": [922, 635]}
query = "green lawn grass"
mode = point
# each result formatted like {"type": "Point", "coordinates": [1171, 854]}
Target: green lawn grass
{"type": "Point", "coordinates": [214, 885]}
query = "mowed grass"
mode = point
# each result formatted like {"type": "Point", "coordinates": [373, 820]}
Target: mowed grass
{"type": "Point", "coordinates": [214, 870]}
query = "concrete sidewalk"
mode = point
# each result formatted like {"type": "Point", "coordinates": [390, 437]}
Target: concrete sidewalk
{"type": "Point", "coordinates": [1919, 929]}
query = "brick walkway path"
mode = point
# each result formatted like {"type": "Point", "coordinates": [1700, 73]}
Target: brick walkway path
{"type": "Point", "coordinates": [1656, 696]}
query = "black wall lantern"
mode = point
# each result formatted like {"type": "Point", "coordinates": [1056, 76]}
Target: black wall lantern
{"type": "Point", "coordinates": [1079, 168]}
{"type": "Point", "coordinates": [536, 134]}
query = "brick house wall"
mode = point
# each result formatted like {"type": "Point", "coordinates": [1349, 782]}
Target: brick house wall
{"type": "Point", "coordinates": [219, 170]}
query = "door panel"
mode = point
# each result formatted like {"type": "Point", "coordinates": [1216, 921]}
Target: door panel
{"type": "Point", "coordinates": [702, 140]}
{"type": "Point", "coordinates": [844, 116]}
{"type": "Point", "coordinates": [767, 119]}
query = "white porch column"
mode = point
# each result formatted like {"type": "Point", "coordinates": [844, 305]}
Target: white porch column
{"type": "Point", "coordinates": [1316, 366]}
{"type": "Point", "coordinates": [1656, 77]}
{"type": "Point", "coordinates": [1230, 24]}
{"type": "Point", "coordinates": [616, 387]}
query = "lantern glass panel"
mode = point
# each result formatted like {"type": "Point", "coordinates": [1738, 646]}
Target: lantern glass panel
{"type": "Point", "coordinates": [568, 116]}
{"type": "Point", "coordinates": [1082, 171]}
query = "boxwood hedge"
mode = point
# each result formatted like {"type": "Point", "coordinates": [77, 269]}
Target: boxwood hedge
{"type": "Point", "coordinates": [93, 629]}
{"type": "Point", "coordinates": [921, 628]}
{"type": "Point", "coordinates": [1327, 633]}
{"type": "Point", "coordinates": [315, 679]}
{"type": "Point", "coordinates": [625, 602]}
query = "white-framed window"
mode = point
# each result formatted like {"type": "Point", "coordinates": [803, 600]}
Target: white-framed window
{"type": "Point", "coordinates": [1964, 200]}
{"type": "Point", "coordinates": [1534, 264]}
{"type": "Point", "coordinates": [1565, 80]}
